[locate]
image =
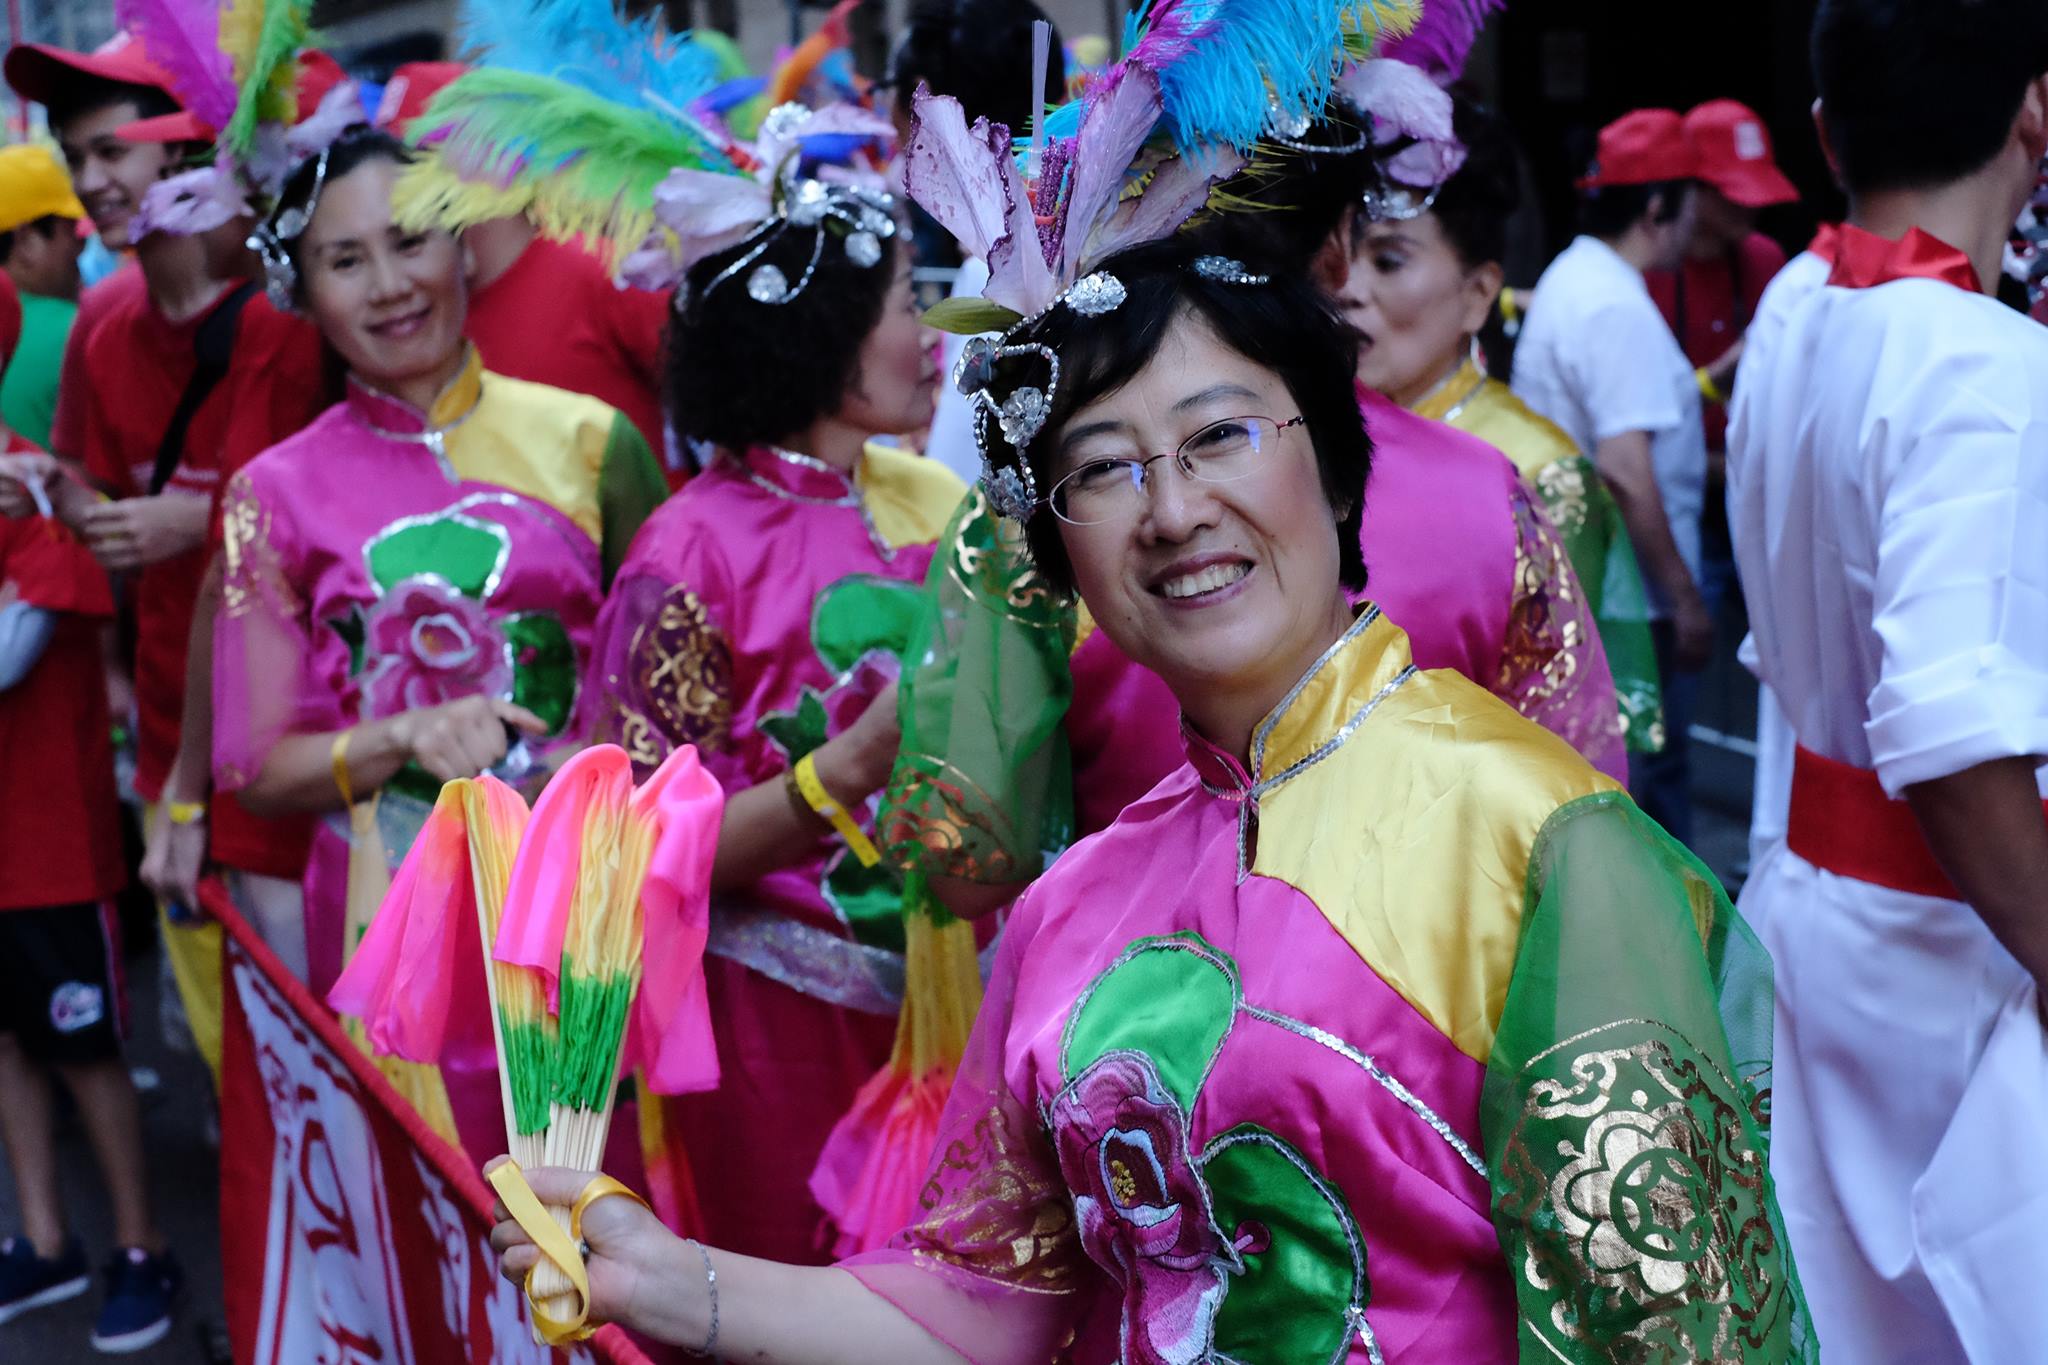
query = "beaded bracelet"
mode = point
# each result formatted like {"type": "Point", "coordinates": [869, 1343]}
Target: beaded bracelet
{"type": "Point", "coordinates": [710, 1347]}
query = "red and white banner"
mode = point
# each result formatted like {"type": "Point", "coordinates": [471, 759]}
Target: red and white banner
{"type": "Point", "coordinates": [350, 1233]}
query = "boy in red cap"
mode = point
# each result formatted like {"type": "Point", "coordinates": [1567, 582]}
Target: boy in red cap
{"type": "Point", "coordinates": [61, 997]}
{"type": "Point", "coordinates": [184, 377]}
{"type": "Point", "coordinates": [1710, 298]}
{"type": "Point", "coordinates": [1889, 503]}
{"type": "Point", "coordinates": [1596, 357]}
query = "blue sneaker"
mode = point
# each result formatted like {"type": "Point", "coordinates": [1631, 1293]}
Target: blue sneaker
{"type": "Point", "coordinates": [142, 1298]}
{"type": "Point", "coordinates": [28, 1281]}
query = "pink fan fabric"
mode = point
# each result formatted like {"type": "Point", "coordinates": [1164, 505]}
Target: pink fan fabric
{"type": "Point", "coordinates": [417, 978]}
{"type": "Point", "coordinates": [671, 1041]}
{"type": "Point", "coordinates": [551, 857]}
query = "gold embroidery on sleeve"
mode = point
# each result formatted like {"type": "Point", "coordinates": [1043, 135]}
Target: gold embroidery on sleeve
{"type": "Point", "coordinates": [680, 691]}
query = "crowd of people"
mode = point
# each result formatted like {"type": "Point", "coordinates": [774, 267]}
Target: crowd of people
{"type": "Point", "coordinates": [1233, 652]}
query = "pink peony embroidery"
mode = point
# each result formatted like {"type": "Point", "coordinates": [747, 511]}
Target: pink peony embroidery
{"type": "Point", "coordinates": [1142, 1207]}
{"type": "Point", "coordinates": [429, 644]}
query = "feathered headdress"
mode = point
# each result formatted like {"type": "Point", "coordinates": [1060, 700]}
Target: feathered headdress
{"type": "Point", "coordinates": [590, 130]}
{"type": "Point", "coordinates": [1202, 84]}
{"type": "Point", "coordinates": [1405, 98]}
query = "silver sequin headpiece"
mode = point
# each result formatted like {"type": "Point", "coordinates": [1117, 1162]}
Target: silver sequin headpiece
{"type": "Point", "coordinates": [272, 240]}
{"type": "Point", "coordinates": [1021, 414]}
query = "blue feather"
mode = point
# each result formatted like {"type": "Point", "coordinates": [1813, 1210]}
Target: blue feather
{"type": "Point", "coordinates": [1245, 57]}
{"type": "Point", "coordinates": [587, 43]}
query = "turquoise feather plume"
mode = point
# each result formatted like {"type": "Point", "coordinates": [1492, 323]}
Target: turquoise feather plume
{"type": "Point", "coordinates": [588, 44]}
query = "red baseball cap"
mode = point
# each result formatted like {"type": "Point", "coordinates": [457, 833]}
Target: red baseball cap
{"type": "Point", "coordinates": [1734, 152]}
{"type": "Point", "coordinates": [423, 81]}
{"type": "Point", "coordinates": [318, 74]}
{"type": "Point", "coordinates": [1646, 147]}
{"type": "Point", "coordinates": [38, 70]}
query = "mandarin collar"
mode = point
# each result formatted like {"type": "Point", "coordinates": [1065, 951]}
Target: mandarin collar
{"type": "Point", "coordinates": [801, 476]}
{"type": "Point", "coordinates": [1322, 711]}
{"type": "Point", "coordinates": [386, 413]}
{"type": "Point", "coordinates": [1452, 392]}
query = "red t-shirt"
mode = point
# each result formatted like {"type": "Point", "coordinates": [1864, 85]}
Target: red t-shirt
{"type": "Point", "coordinates": [67, 428]}
{"type": "Point", "coordinates": [57, 798]}
{"type": "Point", "coordinates": [137, 365]}
{"type": "Point", "coordinates": [1709, 304]}
{"type": "Point", "coordinates": [556, 318]}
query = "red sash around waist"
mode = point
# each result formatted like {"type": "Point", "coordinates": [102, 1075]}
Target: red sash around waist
{"type": "Point", "coordinates": [1842, 822]}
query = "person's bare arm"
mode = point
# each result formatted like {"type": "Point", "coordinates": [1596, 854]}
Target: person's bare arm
{"type": "Point", "coordinates": [766, 828]}
{"type": "Point", "coordinates": [1626, 465]}
{"type": "Point", "coordinates": [176, 853]}
{"type": "Point", "coordinates": [1986, 829]}
{"type": "Point", "coordinates": [456, 739]}
{"type": "Point", "coordinates": [645, 1277]}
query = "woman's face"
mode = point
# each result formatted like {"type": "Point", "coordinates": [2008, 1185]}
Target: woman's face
{"type": "Point", "coordinates": [1415, 305]}
{"type": "Point", "coordinates": [1210, 585]}
{"type": "Point", "coordinates": [897, 381]}
{"type": "Point", "coordinates": [390, 301]}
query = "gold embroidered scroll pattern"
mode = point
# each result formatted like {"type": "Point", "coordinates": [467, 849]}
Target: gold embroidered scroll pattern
{"type": "Point", "coordinates": [252, 575]}
{"type": "Point", "coordinates": [1635, 1198]}
{"type": "Point", "coordinates": [991, 562]}
{"type": "Point", "coordinates": [993, 1208]}
{"type": "Point", "coordinates": [1550, 631]}
{"type": "Point", "coordinates": [681, 689]}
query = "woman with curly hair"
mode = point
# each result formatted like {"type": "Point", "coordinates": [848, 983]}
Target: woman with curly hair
{"type": "Point", "coordinates": [758, 617]}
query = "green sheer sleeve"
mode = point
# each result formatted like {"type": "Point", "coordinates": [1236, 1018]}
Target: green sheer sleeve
{"type": "Point", "coordinates": [1596, 539]}
{"type": "Point", "coordinates": [629, 488]}
{"type": "Point", "coordinates": [983, 788]}
{"type": "Point", "coordinates": [1626, 1109]}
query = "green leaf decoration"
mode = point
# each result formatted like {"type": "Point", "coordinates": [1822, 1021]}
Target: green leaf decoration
{"type": "Point", "coordinates": [465, 552]}
{"type": "Point", "coordinates": [354, 633]}
{"type": "Point", "coordinates": [1172, 998]}
{"type": "Point", "coordinates": [1304, 1258]}
{"type": "Point", "coordinates": [869, 899]}
{"type": "Point", "coordinates": [796, 732]}
{"type": "Point", "coordinates": [543, 666]}
{"type": "Point", "coordinates": [862, 614]}
{"type": "Point", "coordinates": [970, 317]}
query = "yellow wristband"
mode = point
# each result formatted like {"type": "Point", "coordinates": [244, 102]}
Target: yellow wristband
{"type": "Point", "coordinates": [820, 800]}
{"type": "Point", "coordinates": [1709, 390]}
{"type": "Point", "coordinates": [339, 756]}
{"type": "Point", "coordinates": [184, 812]}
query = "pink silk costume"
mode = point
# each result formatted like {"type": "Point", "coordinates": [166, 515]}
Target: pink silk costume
{"type": "Point", "coordinates": [758, 613]}
{"type": "Point", "coordinates": [1415, 1043]}
{"type": "Point", "coordinates": [384, 559]}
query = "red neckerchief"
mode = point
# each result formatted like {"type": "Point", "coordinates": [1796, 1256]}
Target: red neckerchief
{"type": "Point", "coordinates": [1864, 260]}
{"type": "Point", "coordinates": [1826, 242]}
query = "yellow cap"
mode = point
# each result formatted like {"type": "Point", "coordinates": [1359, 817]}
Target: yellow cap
{"type": "Point", "coordinates": [33, 185]}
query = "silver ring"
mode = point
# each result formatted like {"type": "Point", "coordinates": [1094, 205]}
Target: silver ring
{"type": "Point", "coordinates": [583, 1249]}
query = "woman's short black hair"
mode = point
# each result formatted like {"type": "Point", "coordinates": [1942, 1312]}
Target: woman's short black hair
{"type": "Point", "coordinates": [352, 149]}
{"type": "Point", "coordinates": [742, 373]}
{"type": "Point", "coordinates": [977, 51]}
{"type": "Point", "coordinates": [1286, 325]}
{"type": "Point", "coordinates": [1474, 206]}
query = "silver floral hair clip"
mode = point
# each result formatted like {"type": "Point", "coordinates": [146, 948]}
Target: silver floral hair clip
{"type": "Point", "coordinates": [1022, 414]}
{"type": "Point", "coordinates": [1389, 201]}
{"type": "Point", "coordinates": [861, 218]}
{"type": "Point", "coordinates": [272, 241]}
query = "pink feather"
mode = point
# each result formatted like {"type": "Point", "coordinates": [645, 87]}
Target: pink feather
{"type": "Point", "coordinates": [183, 37]}
{"type": "Point", "coordinates": [1442, 40]}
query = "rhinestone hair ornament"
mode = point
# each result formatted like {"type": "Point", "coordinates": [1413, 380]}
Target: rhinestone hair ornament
{"type": "Point", "coordinates": [1021, 414]}
{"type": "Point", "coordinates": [272, 241]}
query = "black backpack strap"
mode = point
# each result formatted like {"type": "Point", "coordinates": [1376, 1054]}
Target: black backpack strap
{"type": "Point", "coordinates": [213, 347]}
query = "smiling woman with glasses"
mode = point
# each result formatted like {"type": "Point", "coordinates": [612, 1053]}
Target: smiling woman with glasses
{"type": "Point", "coordinates": [1383, 975]}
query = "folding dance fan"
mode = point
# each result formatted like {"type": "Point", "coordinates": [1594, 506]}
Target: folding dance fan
{"type": "Point", "coordinates": [597, 890]}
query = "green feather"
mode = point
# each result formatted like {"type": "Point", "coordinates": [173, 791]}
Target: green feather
{"type": "Point", "coordinates": [264, 37]}
{"type": "Point", "coordinates": [581, 164]}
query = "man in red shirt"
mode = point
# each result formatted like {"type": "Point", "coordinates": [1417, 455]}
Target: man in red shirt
{"type": "Point", "coordinates": [61, 999]}
{"type": "Point", "coordinates": [1710, 301]}
{"type": "Point", "coordinates": [153, 487]}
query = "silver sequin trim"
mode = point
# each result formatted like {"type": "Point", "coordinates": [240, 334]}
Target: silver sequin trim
{"type": "Point", "coordinates": [1386, 1081]}
{"type": "Point", "coordinates": [813, 961]}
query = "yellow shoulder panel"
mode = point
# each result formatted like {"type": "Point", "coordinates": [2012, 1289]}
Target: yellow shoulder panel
{"type": "Point", "coordinates": [544, 443]}
{"type": "Point", "coordinates": [1414, 837]}
{"type": "Point", "coordinates": [910, 497]}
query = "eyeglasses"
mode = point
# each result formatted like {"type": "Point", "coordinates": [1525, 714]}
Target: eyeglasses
{"type": "Point", "coordinates": [1106, 490]}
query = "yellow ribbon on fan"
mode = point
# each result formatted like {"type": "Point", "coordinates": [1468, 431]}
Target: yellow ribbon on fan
{"type": "Point", "coordinates": [556, 1245]}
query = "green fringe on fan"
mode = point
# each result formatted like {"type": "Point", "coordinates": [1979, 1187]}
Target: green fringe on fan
{"type": "Point", "coordinates": [591, 1027]}
{"type": "Point", "coordinates": [527, 1049]}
